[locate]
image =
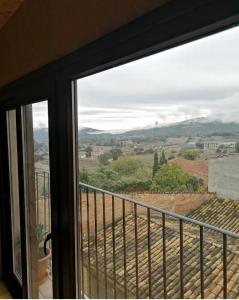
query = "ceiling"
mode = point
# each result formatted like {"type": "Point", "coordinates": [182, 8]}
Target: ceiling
{"type": "Point", "coordinates": [7, 9]}
{"type": "Point", "coordinates": [41, 32]}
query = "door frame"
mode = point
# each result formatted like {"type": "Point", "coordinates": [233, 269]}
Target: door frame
{"type": "Point", "coordinates": [8, 275]}
{"type": "Point", "coordinates": [57, 155]}
{"type": "Point", "coordinates": [173, 24]}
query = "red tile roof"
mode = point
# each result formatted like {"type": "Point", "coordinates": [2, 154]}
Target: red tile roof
{"type": "Point", "coordinates": [213, 265]}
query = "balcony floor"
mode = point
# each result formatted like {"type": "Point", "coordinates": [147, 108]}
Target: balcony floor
{"type": "Point", "coordinates": [45, 290]}
{"type": "Point", "coordinates": [4, 294]}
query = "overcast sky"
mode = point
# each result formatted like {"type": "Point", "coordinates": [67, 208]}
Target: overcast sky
{"type": "Point", "coordinates": [194, 80]}
{"type": "Point", "coordinates": [199, 79]}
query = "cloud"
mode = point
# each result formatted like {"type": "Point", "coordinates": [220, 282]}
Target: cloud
{"type": "Point", "coordinates": [197, 79]}
{"type": "Point", "coordinates": [40, 114]}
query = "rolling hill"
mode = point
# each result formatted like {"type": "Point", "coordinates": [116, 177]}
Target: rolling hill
{"type": "Point", "coordinates": [189, 128]}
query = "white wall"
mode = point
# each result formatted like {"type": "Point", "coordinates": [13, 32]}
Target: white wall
{"type": "Point", "coordinates": [223, 177]}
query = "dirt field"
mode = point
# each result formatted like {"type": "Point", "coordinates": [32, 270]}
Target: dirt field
{"type": "Point", "coordinates": [195, 167]}
{"type": "Point", "coordinates": [178, 203]}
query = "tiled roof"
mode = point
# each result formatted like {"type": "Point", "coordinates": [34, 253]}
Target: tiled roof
{"type": "Point", "coordinates": [222, 213]}
{"type": "Point", "coordinates": [213, 266]}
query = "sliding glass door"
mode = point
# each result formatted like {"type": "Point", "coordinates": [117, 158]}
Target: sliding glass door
{"type": "Point", "coordinates": [38, 189]}
{"type": "Point", "coordinates": [36, 167]}
{"type": "Point", "coordinates": [28, 201]}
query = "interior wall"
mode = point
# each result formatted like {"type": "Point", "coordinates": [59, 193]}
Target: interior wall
{"type": "Point", "coordinates": [0, 255]}
{"type": "Point", "coordinates": [43, 31]}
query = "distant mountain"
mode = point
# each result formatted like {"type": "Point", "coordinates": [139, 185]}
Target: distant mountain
{"type": "Point", "coordinates": [84, 131]}
{"type": "Point", "coordinates": [41, 135]}
{"type": "Point", "coordinates": [188, 128]}
{"type": "Point", "coordinates": [201, 120]}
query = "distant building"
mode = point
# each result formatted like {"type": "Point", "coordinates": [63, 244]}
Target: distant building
{"type": "Point", "coordinates": [207, 145]}
{"type": "Point", "coordinates": [231, 145]}
{"type": "Point", "coordinates": [210, 145]}
{"type": "Point", "coordinates": [215, 145]}
{"type": "Point", "coordinates": [190, 145]}
{"type": "Point", "coordinates": [223, 177]}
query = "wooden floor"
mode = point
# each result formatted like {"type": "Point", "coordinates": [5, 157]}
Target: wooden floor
{"type": "Point", "coordinates": [4, 294]}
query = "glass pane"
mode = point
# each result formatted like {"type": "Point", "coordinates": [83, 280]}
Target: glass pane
{"type": "Point", "coordinates": [14, 193]}
{"type": "Point", "coordinates": [161, 134]}
{"type": "Point", "coordinates": [37, 179]}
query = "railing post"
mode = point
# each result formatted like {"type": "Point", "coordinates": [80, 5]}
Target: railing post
{"type": "Point", "coordinates": [124, 246]}
{"type": "Point", "coordinates": [105, 256]}
{"type": "Point", "coordinates": [44, 197]}
{"type": "Point", "coordinates": [113, 240]}
{"type": "Point", "coordinates": [181, 259]}
{"type": "Point", "coordinates": [136, 250]}
{"type": "Point", "coordinates": [96, 246]}
{"type": "Point", "coordinates": [37, 196]}
{"type": "Point", "coordinates": [81, 244]}
{"type": "Point", "coordinates": [88, 239]}
{"type": "Point", "coordinates": [224, 266]}
{"type": "Point", "coordinates": [164, 259]}
{"type": "Point", "coordinates": [201, 263]}
{"type": "Point", "coordinates": [149, 251]}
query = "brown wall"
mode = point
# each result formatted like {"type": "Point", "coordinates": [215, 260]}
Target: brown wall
{"type": "Point", "coordinates": [0, 257]}
{"type": "Point", "coordinates": [42, 31]}
{"type": "Point", "coordinates": [178, 203]}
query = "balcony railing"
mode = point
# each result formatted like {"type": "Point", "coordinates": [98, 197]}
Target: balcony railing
{"type": "Point", "coordinates": [127, 249]}
{"type": "Point", "coordinates": [43, 205]}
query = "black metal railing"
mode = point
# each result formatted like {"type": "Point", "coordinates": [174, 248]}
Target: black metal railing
{"type": "Point", "coordinates": [42, 193]}
{"type": "Point", "coordinates": [43, 207]}
{"type": "Point", "coordinates": [128, 249]}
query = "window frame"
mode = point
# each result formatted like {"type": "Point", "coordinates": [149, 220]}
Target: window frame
{"type": "Point", "coordinates": [173, 24]}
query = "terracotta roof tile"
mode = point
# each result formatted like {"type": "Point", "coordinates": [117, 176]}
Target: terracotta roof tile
{"type": "Point", "coordinates": [213, 265]}
{"type": "Point", "coordinates": [222, 213]}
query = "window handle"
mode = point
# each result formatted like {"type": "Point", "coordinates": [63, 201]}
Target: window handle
{"type": "Point", "coordinates": [48, 237]}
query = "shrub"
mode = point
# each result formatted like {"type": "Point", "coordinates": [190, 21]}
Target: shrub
{"type": "Point", "coordinates": [191, 154]}
{"type": "Point", "coordinates": [172, 178]}
{"type": "Point", "coordinates": [125, 166]}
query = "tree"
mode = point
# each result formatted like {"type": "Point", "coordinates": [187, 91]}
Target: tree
{"type": "Point", "coordinates": [155, 164]}
{"type": "Point", "coordinates": [191, 154]}
{"type": "Point", "coordinates": [104, 158]}
{"type": "Point", "coordinates": [88, 151]}
{"type": "Point", "coordinates": [45, 190]}
{"type": "Point", "coordinates": [171, 156]}
{"type": "Point", "coordinates": [195, 183]}
{"type": "Point", "coordinates": [172, 178]}
{"type": "Point", "coordinates": [237, 147]}
{"type": "Point", "coordinates": [84, 175]}
{"type": "Point", "coordinates": [139, 150]}
{"type": "Point", "coordinates": [116, 153]}
{"type": "Point", "coordinates": [163, 159]}
{"type": "Point", "coordinates": [221, 149]}
{"type": "Point", "coordinates": [125, 166]}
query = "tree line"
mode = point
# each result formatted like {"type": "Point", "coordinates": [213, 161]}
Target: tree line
{"type": "Point", "coordinates": [127, 174]}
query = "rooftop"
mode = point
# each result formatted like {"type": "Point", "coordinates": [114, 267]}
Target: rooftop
{"type": "Point", "coordinates": [213, 264]}
{"type": "Point", "coordinates": [222, 213]}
